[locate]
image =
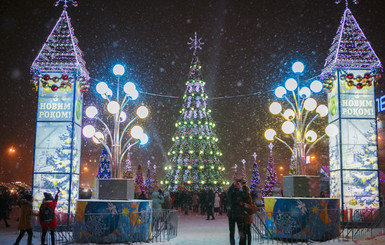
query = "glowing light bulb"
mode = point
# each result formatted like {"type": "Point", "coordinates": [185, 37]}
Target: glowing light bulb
{"type": "Point", "coordinates": [291, 84]}
{"type": "Point", "coordinates": [275, 108]}
{"type": "Point", "coordinates": [118, 70]}
{"type": "Point", "coordinates": [270, 134]}
{"type": "Point", "coordinates": [298, 67]}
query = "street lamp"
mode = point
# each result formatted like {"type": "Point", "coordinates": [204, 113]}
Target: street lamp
{"type": "Point", "coordinates": [296, 123]}
{"type": "Point", "coordinates": [116, 142]}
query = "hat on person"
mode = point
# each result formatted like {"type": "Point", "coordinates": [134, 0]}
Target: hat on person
{"type": "Point", "coordinates": [48, 196]}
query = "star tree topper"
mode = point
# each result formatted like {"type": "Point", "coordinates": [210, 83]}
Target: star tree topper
{"type": "Point", "coordinates": [74, 3]}
{"type": "Point", "coordinates": [195, 43]}
{"type": "Point", "coordinates": [255, 156]}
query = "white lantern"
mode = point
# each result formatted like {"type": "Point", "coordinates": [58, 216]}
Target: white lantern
{"type": "Point", "coordinates": [311, 136]}
{"type": "Point", "coordinates": [298, 67]}
{"type": "Point", "coordinates": [130, 89]}
{"type": "Point", "coordinates": [304, 92]}
{"type": "Point", "coordinates": [270, 134]}
{"type": "Point", "coordinates": [136, 132]}
{"type": "Point", "coordinates": [275, 108]}
{"type": "Point", "coordinates": [289, 114]}
{"type": "Point", "coordinates": [123, 116]}
{"type": "Point", "coordinates": [142, 112]}
{"type": "Point", "coordinates": [316, 86]}
{"type": "Point", "coordinates": [143, 139]}
{"type": "Point", "coordinates": [322, 110]}
{"type": "Point", "coordinates": [310, 104]}
{"type": "Point", "coordinates": [88, 131]}
{"type": "Point", "coordinates": [331, 130]}
{"type": "Point", "coordinates": [280, 91]}
{"type": "Point", "coordinates": [118, 70]}
{"type": "Point", "coordinates": [91, 112]}
{"type": "Point", "coordinates": [288, 127]}
{"type": "Point", "coordinates": [98, 137]}
{"type": "Point", "coordinates": [291, 84]}
{"type": "Point", "coordinates": [101, 88]}
{"type": "Point", "coordinates": [113, 107]}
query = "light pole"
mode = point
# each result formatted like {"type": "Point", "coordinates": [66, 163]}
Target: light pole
{"type": "Point", "coordinates": [296, 123]}
{"type": "Point", "coordinates": [116, 142]}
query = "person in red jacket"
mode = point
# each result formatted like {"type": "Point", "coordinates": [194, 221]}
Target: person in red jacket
{"type": "Point", "coordinates": [47, 216]}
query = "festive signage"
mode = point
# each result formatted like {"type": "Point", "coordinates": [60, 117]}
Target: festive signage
{"type": "Point", "coordinates": [380, 102]}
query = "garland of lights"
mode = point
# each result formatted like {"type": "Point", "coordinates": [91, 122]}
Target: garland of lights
{"type": "Point", "coordinates": [349, 81]}
{"type": "Point", "coordinates": [53, 84]}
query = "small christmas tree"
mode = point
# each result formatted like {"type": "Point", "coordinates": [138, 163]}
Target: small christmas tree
{"type": "Point", "coordinates": [148, 183]}
{"type": "Point", "coordinates": [255, 185]}
{"type": "Point", "coordinates": [271, 175]}
{"type": "Point", "coordinates": [139, 182]}
{"type": "Point", "coordinates": [104, 171]}
{"type": "Point", "coordinates": [127, 172]}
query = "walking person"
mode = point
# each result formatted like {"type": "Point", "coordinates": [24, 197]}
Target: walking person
{"type": "Point", "coordinates": [25, 219]}
{"type": "Point", "coordinates": [210, 204]}
{"type": "Point", "coordinates": [235, 211]}
{"type": "Point", "coordinates": [249, 208]}
{"type": "Point", "coordinates": [217, 204]}
{"type": "Point", "coordinates": [47, 216]}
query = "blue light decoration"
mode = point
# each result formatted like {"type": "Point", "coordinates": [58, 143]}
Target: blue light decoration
{"type": "Point", "coordinates": [349, 75]}
{"type": "Point", "coordinates": [59, 79]}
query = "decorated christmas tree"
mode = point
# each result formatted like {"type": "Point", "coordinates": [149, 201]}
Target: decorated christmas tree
{"type": "Point", "coordinates": [104, 171]}
{"type": "Point", "coordinates": [194, 156]}
{"type": "Point", "coordinates": [148, 183]}
{"type": "Point", "coordinates": [155, 179]}
{"type": "Point", "coordinates": [255, 185]}
{"type": "Point", "coordinates": [271, 176]}
{"type": "Point", "coordinates": [244, 169]}
{"type": "Point", "coordinates": [139, 182]}
{"type": "Point", "coordinates": [127, 172]}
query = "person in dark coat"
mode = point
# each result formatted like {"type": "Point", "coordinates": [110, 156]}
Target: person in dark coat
{"type": "Point", "coordinates": [25, 220]}
{"type": "Point", "coordinates": [249, 208]}
{"type": "Point", "coordinates": [48, 201]}
{"type": "Point", "coordinates": [236, 211]}
{"type": "Point", "coordinates": [4, 206]}
{"type": "Point", "coordinates": [210, 198]}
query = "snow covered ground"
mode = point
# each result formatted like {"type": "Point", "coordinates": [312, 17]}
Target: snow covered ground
{"type": "Point", "coordinates": [192, 230]}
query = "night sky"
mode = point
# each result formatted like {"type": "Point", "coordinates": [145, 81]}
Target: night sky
{"type": "Point", "coordinates": [248, 51]}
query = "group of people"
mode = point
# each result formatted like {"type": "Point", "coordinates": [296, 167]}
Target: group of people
{"type": "Point", "coordinates": [47, 218]}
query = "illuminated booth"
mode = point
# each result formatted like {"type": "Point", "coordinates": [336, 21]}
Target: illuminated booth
{"type": "Point", "coordinates": [59, 78]}
{"type": "Point", "coordinates": [350, 73]}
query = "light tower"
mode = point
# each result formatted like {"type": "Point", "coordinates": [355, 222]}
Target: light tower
{"type": "Point", "coordinates": [59, 78]}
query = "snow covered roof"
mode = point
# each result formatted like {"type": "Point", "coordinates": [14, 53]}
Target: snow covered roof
{"type": "Point", "coordinates": [350, 49]}
{"type": "Point", "coordinates": [60, 52]}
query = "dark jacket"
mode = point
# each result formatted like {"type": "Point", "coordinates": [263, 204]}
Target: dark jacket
{"type": "Point", "coordinates": [236, 196]}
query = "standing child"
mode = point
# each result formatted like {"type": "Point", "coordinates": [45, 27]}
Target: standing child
{"type": "Point", "coordinates": [47, 216]}
{"type": "Point", "coordinates": [25, 219]}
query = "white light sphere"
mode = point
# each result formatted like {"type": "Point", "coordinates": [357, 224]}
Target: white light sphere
{"type": "Point", "coordinates": [298, 67]}
{"type": "Point", "coordinates": [91, 112]}
{"type": "Point", "coordinates": [331, 130]}
{"type": "Point", "coordinates": [316, 86]}
{"type": "Point", "coordinates": [118, 70]}
{"type": "Point", "coordinates": [134, 95]}
{"type": "Point", "coordinates": [289, 114]}
{"type": "Point", "coordinates": [88, 131]}
{"type": "Point", "coordinates": [136, 131]}
{"type": "Point", "coordinates": [129, 87]}
{"type": "Point", "coordinates": [142, 112]}
{"type": "Point", "coordinates": [98, 137]}
{"type": "Point", "coordinates": [310, 104]}
{"type": "Point", "coordinates": [291, 84]}
{"type": "Point", "coordinates": [304, 92]}
{"type": "Point", "coordinates": [288, 127]}
{"type": "Point", "coordinates": [280, 91]}
{"type": "Point", "coordinates": [113, 107]}
{"type": "Point", "coordinates": [123, 116]}
{"type": "Point", "coordinates": [270, 134]}
{"type": "Point", "coordinates": [101, 87]}
{"type": "Point", "coordinates": [275, 108]}
{"type": "Point", "coordinates": [322, 110]}
{"type": "Point", "coordinates": [311, 136]}
{"type": "Point", "coordinates": [143, 139]}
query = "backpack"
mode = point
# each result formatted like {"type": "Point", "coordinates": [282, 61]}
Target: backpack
{"type": "Point", "coordinates": [46, 214]}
